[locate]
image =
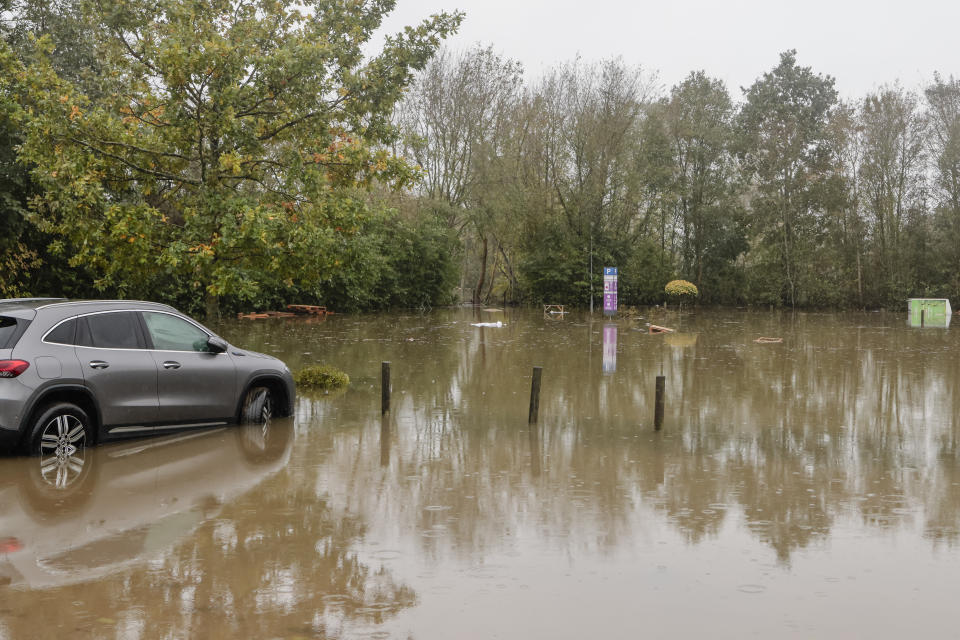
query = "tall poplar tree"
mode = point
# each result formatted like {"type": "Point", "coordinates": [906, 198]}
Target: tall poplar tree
{"type": "Point", "coordinates": [785, 151]}
{"type": "Point", "coordinates": [699, 120]}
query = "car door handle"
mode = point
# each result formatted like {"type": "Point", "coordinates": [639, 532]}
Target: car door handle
{"type": "Point", "coordinates": [99, 364]}
{"type": "Point", "coordinates": [170, 364]}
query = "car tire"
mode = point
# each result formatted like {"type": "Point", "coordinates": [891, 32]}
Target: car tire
{"type": "Point", "coordinates": [257, 406]}
{"type": "Point", "coordinates": [61, 429]}
{"type": "Point", "coordinates": [59, 479]}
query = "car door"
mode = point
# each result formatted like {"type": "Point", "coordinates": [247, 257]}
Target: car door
{"type": "Point", "coordinates": [118, 368]}
{"type": "Point", "coordinates": [195, 385]}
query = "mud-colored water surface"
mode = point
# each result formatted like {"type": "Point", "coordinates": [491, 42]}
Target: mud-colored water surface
{"type": "Point", "coordinates": [809, 488]}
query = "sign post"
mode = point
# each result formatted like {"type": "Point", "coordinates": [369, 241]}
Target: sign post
{"type": "Point", "coordinates": [609, 291]}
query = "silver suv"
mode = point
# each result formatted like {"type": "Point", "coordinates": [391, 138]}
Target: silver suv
{"type": "Point", "coordinates": [73, 373]}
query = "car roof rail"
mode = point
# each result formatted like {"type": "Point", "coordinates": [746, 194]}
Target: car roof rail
{"type": "Point", "coordinates": [54, 302]}
{"type": "Point", "coordinates": [7, 300]}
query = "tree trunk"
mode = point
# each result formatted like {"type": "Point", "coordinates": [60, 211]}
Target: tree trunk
{"type": "Point", "coordinates": [514, 284]}
{"type": "Point", "coordinates": [483, 273]}
{"type": "Point", "coordinates": [213, 307]}
{"type": "Point", "coordinates": [493, 277]}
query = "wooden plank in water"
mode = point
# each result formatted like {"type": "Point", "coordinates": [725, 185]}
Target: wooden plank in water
{"type": "Point", "coordinates": [658, 329]}
{"type": "Point", "coordinates": [308, 309]}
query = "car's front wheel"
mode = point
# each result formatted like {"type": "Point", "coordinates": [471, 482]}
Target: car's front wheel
{"type": "Point", "coordinates": [258, 406]}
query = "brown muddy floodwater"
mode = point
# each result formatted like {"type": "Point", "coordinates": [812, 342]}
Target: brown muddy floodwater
{"type": "Point", "coordinates": [803, 489]}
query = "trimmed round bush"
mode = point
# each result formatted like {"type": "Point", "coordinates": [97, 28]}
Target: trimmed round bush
{"type": "Point", "coordinates": [681, 289]}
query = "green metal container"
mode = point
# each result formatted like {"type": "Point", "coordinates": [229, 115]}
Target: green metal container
{"type": "Point", "coordinates": [929, 312]}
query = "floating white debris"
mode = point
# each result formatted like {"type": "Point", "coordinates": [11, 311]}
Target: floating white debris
{"type": "Point", "coordinates": [487, 324]}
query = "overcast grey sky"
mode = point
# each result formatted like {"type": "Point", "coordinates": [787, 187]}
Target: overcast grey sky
{"type": "Point", "coordinates": [862, 44]}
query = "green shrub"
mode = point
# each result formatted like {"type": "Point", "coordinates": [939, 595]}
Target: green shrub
{"type": "Point", "coordinates": [321, 377]}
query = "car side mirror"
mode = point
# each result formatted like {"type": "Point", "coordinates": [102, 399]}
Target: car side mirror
{"type": "Point", "coordinates": [216, 345]}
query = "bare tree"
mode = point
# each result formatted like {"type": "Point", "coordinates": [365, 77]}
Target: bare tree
{"type": "Point", "coordinates": [454, 121]}
{"type": "Point", "coordinates": [943, 99]}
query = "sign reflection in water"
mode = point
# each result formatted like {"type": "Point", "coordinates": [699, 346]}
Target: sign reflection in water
{"type": "Point", "coordinates": [609, 348]}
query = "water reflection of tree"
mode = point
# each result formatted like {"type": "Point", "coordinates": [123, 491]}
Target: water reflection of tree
{"type": "Point", "coordinates": [847, 419]}
{"type": "Point", "coordinates": [837, 421]}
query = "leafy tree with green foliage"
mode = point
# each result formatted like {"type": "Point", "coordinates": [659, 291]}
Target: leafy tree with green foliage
{"type": "Point", "coordinates": [706, 186]}
{"type": "Point", "coordinates": [784, 149]}
{"type": "Point", "coordinates": [229, 145]}
{"type": "Point", "coordinates": [421, 263]}
{"type": "Point", "coordinates": [18, 259]}
{"type": "Point", "coordinates": [26, 266]}
{"type": "Point", "coordinates": [73, 51]}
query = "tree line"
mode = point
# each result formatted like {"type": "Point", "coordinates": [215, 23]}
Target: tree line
{"type": "Point", "coordinates": [785, 195]}
{"type": "Point", "coordinates": [236, 154]}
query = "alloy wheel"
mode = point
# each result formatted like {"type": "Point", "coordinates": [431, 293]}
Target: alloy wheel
{"type": "Point", "coordinates": [62, 450]}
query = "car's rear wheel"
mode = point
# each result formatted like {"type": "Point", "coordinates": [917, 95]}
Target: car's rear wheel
{"type": "Point", "coordinates": [59, 437]}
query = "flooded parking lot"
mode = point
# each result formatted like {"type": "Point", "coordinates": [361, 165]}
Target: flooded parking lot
{"type": "Point", "coordinates": [809, 488]}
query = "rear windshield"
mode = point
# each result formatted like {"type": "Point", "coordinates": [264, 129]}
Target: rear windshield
{"type": "Point", "coordinates": [10, 331]}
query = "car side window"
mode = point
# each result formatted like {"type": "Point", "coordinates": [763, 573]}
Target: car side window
{"type": "Point", "coordinates": [118, 330]}
{"type": "Point", "coordinates": [170, 333]}
{"type": "Point", "coordinates": [64, 333]}
{"type": "Point", "coordinates": [8, 329]}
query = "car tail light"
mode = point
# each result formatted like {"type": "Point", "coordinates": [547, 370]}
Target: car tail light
{"type": "Point", "coordinates": [10, 545]}
{"type": "Point", "coordinates": [12, 368]}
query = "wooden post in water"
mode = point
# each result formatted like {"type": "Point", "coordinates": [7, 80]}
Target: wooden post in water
{"type": "Point", "coordinates": [921, 317]}
{"type": "Point", "coordinates": [535, 395]}
{"type": "Point", "coordinates": [658, 405]}
{"type": "Point", "coordinates": [384, 387]}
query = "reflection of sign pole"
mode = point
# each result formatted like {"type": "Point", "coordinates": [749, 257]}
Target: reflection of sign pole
{"type": "Point", "coordinates": [609, 290]}
{"type": "Point", "coordinates": [609, 348]}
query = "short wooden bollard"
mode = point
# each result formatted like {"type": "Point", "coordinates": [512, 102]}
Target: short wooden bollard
{"type": "Point", "coordinates": [658, 405]}
{"type": "Point", "coordinates": [384, 387]}
{"type": "Point", "coordinates": [535, 395]}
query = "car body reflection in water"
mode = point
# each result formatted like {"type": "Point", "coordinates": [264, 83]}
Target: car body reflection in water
{"type": "Point", "coordinates": [82, 516]}
{"type": "Point", "coordinates": [219, 534]}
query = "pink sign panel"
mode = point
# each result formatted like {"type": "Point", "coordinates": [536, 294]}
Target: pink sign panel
{"type": "Point", "coordinates": [609, 290]}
